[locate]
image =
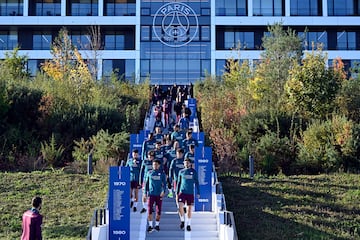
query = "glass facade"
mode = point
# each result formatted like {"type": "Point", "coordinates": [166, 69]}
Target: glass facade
{"type": "Point", "coordinates": [313, 40]}
{"type": "Point", "coordinates": [175, 41]}
{"type": "Point", "coordinates": [119, 8]}
{"type": "Point", "coordinates": [269, 7]}
{"type": "Point", "coordinates": [306, 7]}
{"type": "Point", "coordinates": [82, 8]}
{"type": "Point", "coordinates": [231, 8]}
{"type": "Point", "coordinates": [42, 40]}
{"type": "Point", "coordinates": [45, 7]}
{"type": "Point", "coordinates": [242, 38]}
{"type": "Point", "coordinates": [123, 68]}
{"type": "Point", "coordinates": [8, 40]}
{"type": "Point", "coordinates": [343, 7]}
{"type": "Point", "coordinates": [11, 7]}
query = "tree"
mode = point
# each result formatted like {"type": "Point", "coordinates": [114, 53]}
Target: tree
{"type": "Point", "coordinates": [283, 51]}
{"type": "Point", "coordinates": [348, 99]}
{"type": "Point", "coordinates": [70, 71]}
{"type": "Point", "coordinates": [14, 66]}
{"type": "Point", "coordinates": [312, 87]}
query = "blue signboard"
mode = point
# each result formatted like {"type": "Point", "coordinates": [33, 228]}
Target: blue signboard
{"type": "Point", "coordinates": [144, 135]}
{"type": "Point", "coordinates": [200, 138]}
{"type": "Point", "coordinates": [192, 106]}
{"type": "Point", "coordinates": [119, 203]}
{"type": "Point", "coordinates": [203, 166]}
{"type": "Point", "coordinates": [136, 143]}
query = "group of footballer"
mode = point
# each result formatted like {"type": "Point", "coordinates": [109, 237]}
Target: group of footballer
{"type": "Point", "coordinates": [165, 166]}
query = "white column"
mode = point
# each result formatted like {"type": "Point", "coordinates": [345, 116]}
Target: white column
{"type": "Point", "coordinates": [63, 8]}
{"type": "Point", "coordinates": [287, 8]}
{"type": "Point", "coordinates": [250, 8]}
{"type": "Point", "coordinates": [213, 38]}
{"type": "Point", "coordinates": [325, 8]}
{"type": "Point", "coordinates": [26, 8]}
{"type": "Point", "coordinates": [137, 42]}
{"type": "Point", "coordinates": [99, 68]}
{"type": "Point", "coordinates": [101, 8]}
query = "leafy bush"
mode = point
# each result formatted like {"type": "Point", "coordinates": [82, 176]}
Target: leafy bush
{"type": "Point", "coordinates": [273, 154]}
{"type": "Point", "coordinates": [328, 145]}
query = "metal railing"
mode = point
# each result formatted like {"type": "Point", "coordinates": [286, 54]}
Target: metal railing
{"type": "Point", "coordinates": [98, 219]}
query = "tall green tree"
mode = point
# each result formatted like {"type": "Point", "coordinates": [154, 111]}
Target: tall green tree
{"type": "Point", "coordinates": [348, 99]}
{"type": "Point", "coordinates": [283, 51]}
{"type": "Point", "coordinates": [312, 87]}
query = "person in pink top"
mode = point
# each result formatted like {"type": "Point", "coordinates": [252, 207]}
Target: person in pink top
{"type": "Point", "coordinates": [32, 221]}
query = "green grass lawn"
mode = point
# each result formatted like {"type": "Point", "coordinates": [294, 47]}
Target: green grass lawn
{"type": "Point", "coordinates": [295, 207]}
{"type": "Point", "coordinates": [68, 202]}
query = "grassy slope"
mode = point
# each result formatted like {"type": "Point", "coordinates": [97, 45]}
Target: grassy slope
{"type": "Point", "coordinates": [68, 202]}
{"type": "Point", "coordinates": [296, 207]}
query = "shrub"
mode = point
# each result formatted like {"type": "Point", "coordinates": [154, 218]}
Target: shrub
{"type": "Point", "coordinates": [328, 145]}
{"type": "Point", "coordinates": [50, 152]}
{"type": "Point", "coordinates": [273, 154]}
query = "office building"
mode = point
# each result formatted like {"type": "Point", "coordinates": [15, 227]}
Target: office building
{"type": "Point", "coordinates": [174, 41]}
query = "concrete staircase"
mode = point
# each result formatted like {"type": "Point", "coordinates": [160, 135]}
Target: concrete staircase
{"type": "Point", "coordinates": [204, 224]}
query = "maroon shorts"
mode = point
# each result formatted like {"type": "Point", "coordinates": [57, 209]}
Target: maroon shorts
{"type": "Point", "coordinates": [134, 184]}
{"type": "Point", "coordinates": [186, 198]}
{"type": "Point", "coordinates": [158, 202]}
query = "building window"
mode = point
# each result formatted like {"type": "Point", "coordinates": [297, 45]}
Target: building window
{"type": "Point", "coordinates": [123, 68]}
{"type": "Point", "coordinates": [82, 8]}
{"type": "Point", "coordinates": [114, 41]}
{"type": "Point", "coordinates": [236, 40]}
{"type": "Point", "coordinates": [33, 66]}
{"type": "Point", "coordinates": [346, 41]}
{"type": "Point", "coordinates": [11, 8]}
{"type": "Point", "coordinates": [120, 8]}
{"type": "Point", "coordinates": [314, 40]}
{"type": "Point", "coordinates": [269, 7]}
{"type": "Point", "coordinates": [343, 7]}
{"type": "Point", "coordinates": [45, 7]}
{"type": "Point", "coordinates": [231, 8]}
{"type": "Point", "coordinates": [306, 7]}
{"type": "Point", "coordinates": [8, 40]}
{"type": "Point", "coordinates": [80, 39]}
{"type": "Point", "coordinates": [42, 40]}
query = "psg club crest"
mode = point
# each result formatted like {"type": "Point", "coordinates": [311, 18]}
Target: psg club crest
{"type": "Point", "coordinates": [171, 24]}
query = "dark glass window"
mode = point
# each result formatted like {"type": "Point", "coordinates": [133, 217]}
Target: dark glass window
{"type": "Point", "coordinates": [313, 40]}
{"type": "Point", "coordinates": [34, 65]}
{"type": "Point", "coordinates": [120, 8]}
{"type": "Point", "coordinates": [8, 40]}
{"type": "Point", "coordinates": [123, 68]}
{"type": "Point", "coordinates": [235, 39]}
{"type": "Point", "coordinates": [82, 8]}
{"type": "Point", "coordinates": [220, 66]}
{"type": "Point", "coordinates": [231, 8]}
{"type": "Point", "coordinates": [268, 7]}
{"type": "Point", "coordinates": [80, 39]}
{"type": "Point", "coordinates": [45, 7]}
{"type": "Point", "coordinates": [306, 7]}
{"type": "Point", "coordinates": [42, 40]}
{"type": "Point", "coordinates": [114, 41]}
{"type": "Point", "coordinates": [346, 40]}
{"type": "Point", "coordinates": [11, 8]}
{"type": "Point", "coordinates": [343, 7]}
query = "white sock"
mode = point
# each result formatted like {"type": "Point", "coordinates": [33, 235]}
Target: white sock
{"type": "Point", "coordinates": [182, 218]}
{"type": "Point", "coordinates": [144, 205]}
{"type": "Point", "coordinates": [157, 223]}
{"type": "Point", "coordinates": [189, 221]}
{"type": "Point", "coordinates": [150, 223]}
